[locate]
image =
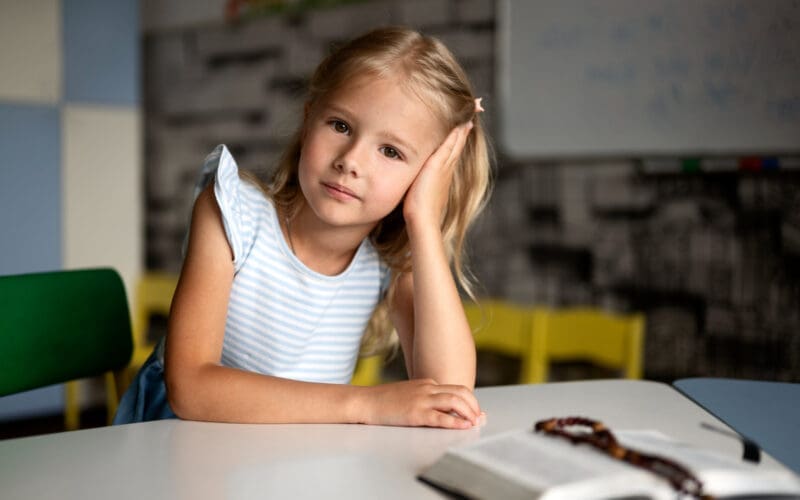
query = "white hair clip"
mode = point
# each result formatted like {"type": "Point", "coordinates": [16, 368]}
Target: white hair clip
{"type": "Point", "coordinates": [478, 107]}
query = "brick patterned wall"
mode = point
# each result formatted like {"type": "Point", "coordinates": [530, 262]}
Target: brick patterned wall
{"type": "Point", "coordinates": [714, 260]}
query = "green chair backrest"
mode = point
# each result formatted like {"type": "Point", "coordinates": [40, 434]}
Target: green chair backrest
{"type": "Point", "coordinates": [61, 326]}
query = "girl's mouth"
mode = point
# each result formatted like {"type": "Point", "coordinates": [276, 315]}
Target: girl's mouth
{"type": "Point", "coordinates": [340, 192]}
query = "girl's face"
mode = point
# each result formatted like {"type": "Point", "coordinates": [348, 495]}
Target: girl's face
{"type": "Point", "coordinates": [362, 149]}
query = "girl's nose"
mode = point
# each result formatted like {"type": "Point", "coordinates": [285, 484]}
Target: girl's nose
{"type": "Point", "coordinates": [348, 162]}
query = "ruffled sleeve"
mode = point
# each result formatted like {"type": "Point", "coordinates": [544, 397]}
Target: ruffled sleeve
{"type": "Point", "coordinates": [238, 201]}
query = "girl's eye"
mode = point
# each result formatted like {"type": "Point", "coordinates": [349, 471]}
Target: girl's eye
{"type": "Point", "coordinates": [340, 126]}
{"type": "Point", "coordinates": [390, 152]}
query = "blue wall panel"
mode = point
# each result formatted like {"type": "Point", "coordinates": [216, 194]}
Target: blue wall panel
{"type": "Point", "coordinates": [101, 51]}
{"type": "Point", "coordinates": [98, 52]}
{"type": "Point", "coordinates": [30, 188]}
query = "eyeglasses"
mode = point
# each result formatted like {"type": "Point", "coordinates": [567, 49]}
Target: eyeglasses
{"type": "Point", "coordinates": [599, 436]}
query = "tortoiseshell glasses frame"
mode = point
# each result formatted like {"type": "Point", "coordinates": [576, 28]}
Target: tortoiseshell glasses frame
{"type": "Point", "coordinates": [594, 433]}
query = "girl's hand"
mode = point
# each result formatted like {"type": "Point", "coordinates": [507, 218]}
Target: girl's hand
{"type": "Point", "coordinates": [426, 198]}
{"type": "Point", "coordinates": [422, 403]}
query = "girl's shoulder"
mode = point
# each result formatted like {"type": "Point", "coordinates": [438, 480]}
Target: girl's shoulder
{"type": "Point", "coordinates": [232, 187]}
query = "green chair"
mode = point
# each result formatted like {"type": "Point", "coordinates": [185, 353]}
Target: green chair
{"type": "Point", "coordinates": [61, 326]}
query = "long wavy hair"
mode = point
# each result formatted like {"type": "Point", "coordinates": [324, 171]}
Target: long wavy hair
{"type": "Point", "coordinates": [429, 70]}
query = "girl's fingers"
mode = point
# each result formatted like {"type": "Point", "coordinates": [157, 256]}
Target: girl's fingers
{"type": "Point", "coordinates": [445, 149]}
{"type": "Point", "coordinates": [423, 402]}
{"type": "Point", "coordinates": [453, 403]}
{"type": "Point", "coordinates": [447, 421]}
{"type": "Point", "coordinates": [452, 145]}
{"type": "Point", "coordinates": [462, 137]}
{"type": "Point", "coordinates": [464, 393]}
{"type": "Point", "coordinates": [459, 139]}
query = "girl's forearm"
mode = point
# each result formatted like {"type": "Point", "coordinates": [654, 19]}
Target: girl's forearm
{"type": "Point", "coordinates": [443, 347]}
{"type": "Point", "coordinates": [223, 394]}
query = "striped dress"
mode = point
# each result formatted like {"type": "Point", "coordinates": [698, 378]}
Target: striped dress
{"type": "Point", "coordinates": [285, 319]}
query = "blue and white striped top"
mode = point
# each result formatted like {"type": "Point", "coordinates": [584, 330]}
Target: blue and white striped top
{"type": "Point", "coordinates": [285, 319]}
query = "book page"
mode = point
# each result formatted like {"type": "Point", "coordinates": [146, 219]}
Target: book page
{"type": "Point", "coordinates": [558, 469]}
{"type": "Point", "coordinates": [722, 475]}
{"type": "Point", "coordinates": [552, 468]}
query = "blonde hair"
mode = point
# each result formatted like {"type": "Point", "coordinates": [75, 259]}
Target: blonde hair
{"type": "Point", "coordinates": [431, 72]}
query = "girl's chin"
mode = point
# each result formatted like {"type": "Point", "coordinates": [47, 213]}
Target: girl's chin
{"type": "Point", "coordinates": [336, 219]}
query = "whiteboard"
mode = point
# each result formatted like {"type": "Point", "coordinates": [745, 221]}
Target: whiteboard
{"type": "Point", "coordinates": [648, 77]}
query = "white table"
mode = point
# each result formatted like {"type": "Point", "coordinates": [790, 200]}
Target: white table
{"type": "Point", "coordinates": [196, 460]}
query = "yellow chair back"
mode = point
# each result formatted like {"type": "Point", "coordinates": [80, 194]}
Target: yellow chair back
{"type": "Point", "coordinates": [609, 340]}
{"type": "Point", "coordinates": [504, 328]}
{"type": "Point", "coordinates": [153, 297]}
{"type": "Point", "coordinates": [499, 326]}
{"type": "Point", "coordinates": [368, 371]}
{"type": "Point", "coordinates": [540, 336]}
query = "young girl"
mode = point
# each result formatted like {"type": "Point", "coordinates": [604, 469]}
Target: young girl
{"type": "Point", "coordinates": [364, 217]}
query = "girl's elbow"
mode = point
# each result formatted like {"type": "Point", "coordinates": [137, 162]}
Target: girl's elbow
{"type": "Point", "coordinates": [179, 397]}
{"type": "Point", "coordinates": [178, 405]}
{"type": "Point", "coordinates": [177, 402]}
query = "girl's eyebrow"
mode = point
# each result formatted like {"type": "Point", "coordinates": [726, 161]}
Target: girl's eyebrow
{"type": "Point", "coordinates": [382, 133]}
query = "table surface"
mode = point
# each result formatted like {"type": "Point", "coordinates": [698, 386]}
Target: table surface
{"type": "Point", "coordinates": [196, 460]}
{"type": "Point", "coordinates": [766, 412]}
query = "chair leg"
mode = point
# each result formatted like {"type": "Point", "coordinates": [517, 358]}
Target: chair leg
{"type": "Point", "coordinates": [112, 398]}
{"type": "Point", "coordinates": [534, 365]}
{"type": "Point", "coordinates": [72, 410]}
{"type": "Point", "coordinates": [634, 369]}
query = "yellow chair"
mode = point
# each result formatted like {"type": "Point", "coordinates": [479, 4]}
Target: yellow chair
{"type": "Point", "coordinates": [72, 404]}
{"type": "Point", "coordinates": [497, 326]}
{"type": "Point", "coordinates": [368, 370]}
{"type": "Point", "coordinates": [153, 296]}
{"type": "Point", "coordinates": [587, 334]}
{"type": "Point", "coordinates": [501, 327]}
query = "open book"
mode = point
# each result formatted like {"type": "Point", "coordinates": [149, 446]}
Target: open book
{"type": "Point", "coordinates": [524, 464]}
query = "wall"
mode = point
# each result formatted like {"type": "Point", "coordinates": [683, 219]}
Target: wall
{"type": "Point", "coordinates": [70, 138]}
{"type": "Point", "coordinates": [712, 259]}
{"type": "Point", "coordinates": [667, 77]}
